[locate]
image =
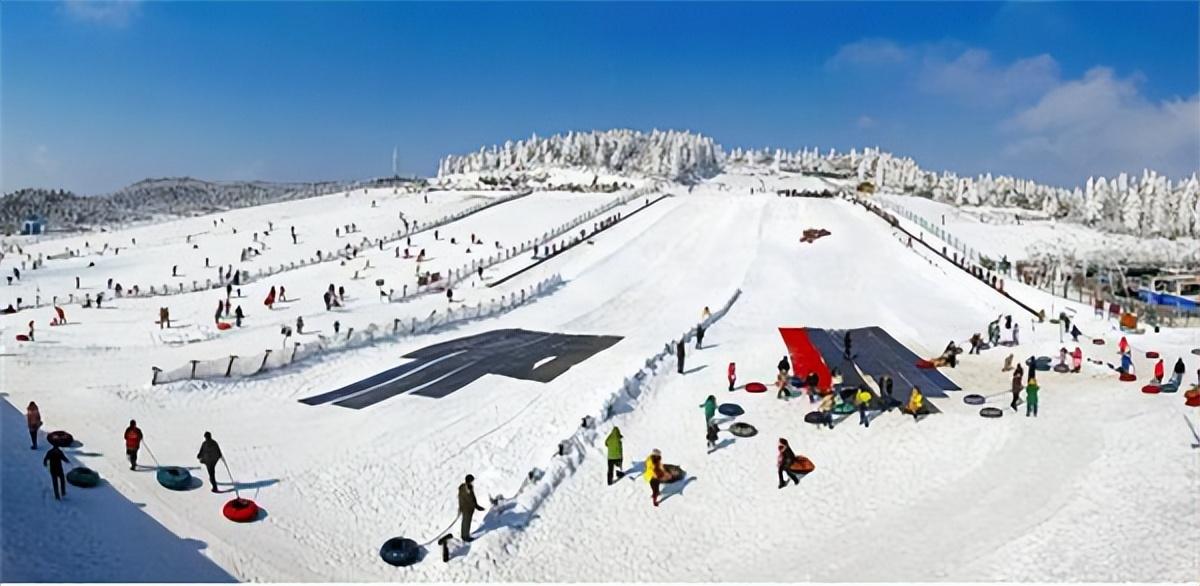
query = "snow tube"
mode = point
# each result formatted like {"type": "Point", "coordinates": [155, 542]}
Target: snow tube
{"type": "Point", "coordinates": [378, 282]}
{"type": "Point", "coordinates": [1196, 351]}
{"type": "Point", "coordinates": [1151, 354]}
{"type": "Point", "coordinates": [974, 399]}
{"type": "Point", "coordinates": [796, 381]}
{"type": "Point", "coordinates": [83, 477]}
{"type": "Point", "coordinates": [400, 551]}
{"type": "Point", "coordinates": [730, 409]}
{"type": "Point", "coordinates": [990, 412]}
{"type": "Point", "coordinates": [756, 388]}
{"type": "Point", "coordinates": [1169, 388]}
{"type": "Point", "coordinates": [1151, 389]}
{"type": "Point", "coordinates": [743, 430]}
{"type": "Point", "coordinates": [224, 325]}
{"type": "Point", "coordinates": [1098, 341]}
{"type": "Point", "coordinates": [674, 473]}
{"type": "Point", "coordinates": [844, 408]}
{"type": "Point", "coordinates": [924, 364]}
{"type": "Point", "coordinates": [22, 338]}
{"type": "Point", "coordinates": [802, 465]}
{"type": "Point", "coordinates": [1128, 377]}
{"type": "Point", "coordinates": [1192, 398]}
{"type": "Point", "coordinates": [1062, 368]}
{"type": "Point", "coordinates": [174, 477]}
{"type": "Point", "coordinates": [60, 439]}
{"type": "Point", "coordinates": [816, 417]}
{"type": "Point", "coordinates": [240, 510]}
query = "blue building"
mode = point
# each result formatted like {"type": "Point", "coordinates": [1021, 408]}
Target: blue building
{"type": "Point", "coordinates": [34, 224]}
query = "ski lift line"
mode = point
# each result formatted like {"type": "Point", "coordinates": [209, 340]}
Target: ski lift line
{"type": "Point", "coordinates": [502, 280]}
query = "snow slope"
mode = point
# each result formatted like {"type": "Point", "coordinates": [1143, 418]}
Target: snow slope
{"type": "Point", "coordinates": [953, 497]}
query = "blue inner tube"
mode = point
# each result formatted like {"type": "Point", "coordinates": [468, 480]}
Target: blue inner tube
{"type": "Point", "coordinates": [400, 551]}
{"type": "Point", "coordinates": [174, 478]}
{"type": "Point", "coordinates": [83, 477]}
{"type": "Point", "coordinates": [974, 399]}
{"type": "Point", "coordinates": [730, 409]}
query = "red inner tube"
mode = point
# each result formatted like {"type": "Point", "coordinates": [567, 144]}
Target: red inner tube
{"type": "Point", "coordinates": [1151, 389]}
{"type": "Point", "coordinates": [1127, 377]}
{"type": "Point", "coordinates": [1152, 354]}
{"type": "Point", "coordinates": [756, 388]}
{"type": "Point", "coordinates": [240, 510]}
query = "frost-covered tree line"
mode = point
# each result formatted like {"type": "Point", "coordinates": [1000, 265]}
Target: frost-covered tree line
{"type": "Point", "coordinates": [149, 199]}
{"type": "Point", "coordinates": [681, 156]}
{"type": "Point", "coordinates": [1145, 205]}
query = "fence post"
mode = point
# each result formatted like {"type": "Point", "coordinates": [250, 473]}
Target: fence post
{"type": "Point", "coordinates": [266, 355]}
{"type": "Point", "coordinates": [229, 368]}
{"type": "Point", "coordinates": [154, 378]}
{"type": "Point", "coordinates": [194, 363]}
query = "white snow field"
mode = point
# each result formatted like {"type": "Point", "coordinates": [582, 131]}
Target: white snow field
{"type": "Point", "coordinates": [1101, 486]}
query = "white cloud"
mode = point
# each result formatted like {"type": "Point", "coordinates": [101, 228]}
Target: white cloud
{"type": "Point", "coordinates": [974, 78]}
{"type": "Point", "coordinates": [115, 13]}
{"type": "Point", "coordinates": [865, 121]}
{"type": "Point", "coordinates": [1102, 124]}
{"type": "Point", "coordinates": [868, 52]}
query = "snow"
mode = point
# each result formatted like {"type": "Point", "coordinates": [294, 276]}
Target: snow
{"type": "Point", "coordinates": [1080, 493]}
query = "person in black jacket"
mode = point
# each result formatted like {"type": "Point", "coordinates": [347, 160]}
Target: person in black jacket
{"type": "Point", "coordinates": [679, 355]}
{"type": "Point", "coordinates": [784, 462]}
{"type": "Point", "coordinates": [467, 505]}
{"type": "Point", "coordinates": [699, 336]}
{"type": "Point", "coordinates": [54, 460]}
{"type": "Point", "coordinates": [784, 366]}
{"type": "Point", "coordinates": [209, 455]}
{"type": "Point", "coordinates": [846, 345]}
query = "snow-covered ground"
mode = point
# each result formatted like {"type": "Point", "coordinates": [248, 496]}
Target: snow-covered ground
{"type": "Point", "coordinates": [1102, 486]}
{"type": "Point", "coordinates": [1020, 234]}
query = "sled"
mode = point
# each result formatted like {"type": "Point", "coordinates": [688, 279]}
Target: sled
{"type": "Point", "coordinates": [22, 338]}
{"type": "Point", "coordinates": [1192, 397]}
{"type": "Point", "coordinates": [673, 473]}
{"type": "Point", "coordinates": [844, 408]}
{"type": "Point", "coordinates": [174, 478]}
{"type": "Point", "coordinates": [743, 430]}
{"type": "Point", "coordinates": [1128, 377]}
{"type": "Point", "coordinates": [60, 439]}
{"type": "Point", "coordinates": [801, 465]}
{"type": "Point", "coordinates": [399, 551]}
{"type": "Point", "coordinates": [1151, 354]}
{"type": "Point", "coordinates": [756, 388]}
{"type": "Point", "coordinates": [991, 412]}
{"type": "Point", "coordinates": [1169, 388]}
{"type": "Point", "coordinates": [240, 510]}
{"type": "Point", "coordinates": [83, 477]}
{"type": "Point", "coordinates": [224, 325]}
{"type": "Point", "coordinates": [1098, 341]}
{"type": "Point", "coordinates": [1151, 389]}
{"type": "Point", "coordinates": [974, 399]}
{"type": "Point", "coordinates": [924, 364]}
{"type": "Point", "coordinates": [730, 410]}
{"type": "Point", "coordinates": [814, 417]}
{"type": "Point", "coordinates": [1062, 368]}
{"type": "Point", "coordinates": [1196, 351]}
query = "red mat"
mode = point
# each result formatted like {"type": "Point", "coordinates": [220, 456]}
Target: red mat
{"type": "Point", "coordinates": [805, 357]}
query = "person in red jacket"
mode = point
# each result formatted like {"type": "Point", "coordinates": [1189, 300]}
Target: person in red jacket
{"type": "Point", "coordinates": [732, 374]}
{"type": "Point", "coordinates": [1158, 370]}
{"type": "Point", "coordinates": [133, 442]}
{"type": "Point", "coordinates": [33, 418]}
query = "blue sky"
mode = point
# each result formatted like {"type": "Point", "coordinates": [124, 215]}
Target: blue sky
{"type": "Point", "coordinates": [94, 96]}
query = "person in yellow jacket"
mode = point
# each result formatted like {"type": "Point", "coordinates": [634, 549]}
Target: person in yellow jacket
{"type": "Point", "coordinates": [863, 398]}
{"type": "Point", "coordinates": [654, 474]}
{"type": "Point", "coordinates": [916, 401]}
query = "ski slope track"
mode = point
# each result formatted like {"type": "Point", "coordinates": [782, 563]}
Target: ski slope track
{"type": "Point", "coordinates": [1100, 486]}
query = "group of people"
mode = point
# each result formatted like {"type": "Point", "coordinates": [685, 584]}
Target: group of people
{"type": "Point", "coordinates": [209, 455]}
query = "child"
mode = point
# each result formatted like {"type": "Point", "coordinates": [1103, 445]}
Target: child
{"type": "Point", "coordinates": [732, 374]}
{"type": "Point", "coordinates": [711, 436]}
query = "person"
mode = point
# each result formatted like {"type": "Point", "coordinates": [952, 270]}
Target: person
{"type": "Point", "coordinates": [238, 316]}
{"type": "Point", "coordinates": [783, 462]}
{"type": "Point", "coordinates": [1123, 346]}
{"type": "Point", "coordinates": [846, 345]}
{"type": "Point", "coordinates": [33, 419]}
{"type": "Point", "coordinates": [1178, 371]}
{"type": "Point", "coordinates": [711, 436]}
{"type": "Point", "coordinates": [679, 355]}
{"type": "Point", "coordinates": [826, 409]}
{"type": "Point", "coordinates": [706, 313]}
{"type": "Point", "coordinates": [209, 455]}
{"type": "Point", "coordinates": [781, 384]}
{"type": "Point", "coordinates": [710, 408]}
{"type": "Point", "coordinates": [916, 402]}
{"type": "Point", "coordinates": [449, 294]}
{"type": "Point", "coordinates": [1016, 334]}
{"type": "Point", "coordinates": [994, 333]}
{"type": "Point", "coordinates": [976, 343]}
{"type": "Point", "coordinates": [811, 385]}
{"type": "Point", "coordinates": [885, 386]}
{"type": "Point", "coordinates": [784, 366]}
{"type": "Point", "coordinates": [467, 505]}
{"type": "Point", "coordinates": [731, 374]}
{"type": "Point", "coordinates": [1031, 398]}
{"type": "Point", "coordinates": [1077, 359]}
{"type": "Point", "coordinates": [299, 324]}
{"type": "Point", "coordinates": [54, 461]}
{"type": "Point", "coordinates": [217, 313]}
{"type": "Point", "coordinates": [1126, 364]}
{"type": "Point", "coordinates": [654, 474]}
{"type": "Point", "coordinates": [1016, 387]}
{"type": "Point", "coordinates": [863, 398]}
{"type": "Point", "coordinates": [699, 336]}
{"type": "Point", "coordinates": [1159, 370]}
{"type": "Point", "coordinates": [1031, 364]}
{"type": "Point", "coordinates": [615, 454]}
{"type": "Point", "coordinates": [133, 442]}
{"type": "Point", "coordinates": [1075, 333]}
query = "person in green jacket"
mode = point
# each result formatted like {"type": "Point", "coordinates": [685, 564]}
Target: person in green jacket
{"type": "Point", "coordinates": [1031, 398]}
{"type": "Point", "coordinates": [710, 408]}
{"type": "Point", "coordinates": [615, 456]}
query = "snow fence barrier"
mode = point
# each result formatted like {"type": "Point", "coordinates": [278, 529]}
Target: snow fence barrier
{"type": "Point", "coordinates": [235, 366]}
{"type": "Point", "coordinates": [568, 457]}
